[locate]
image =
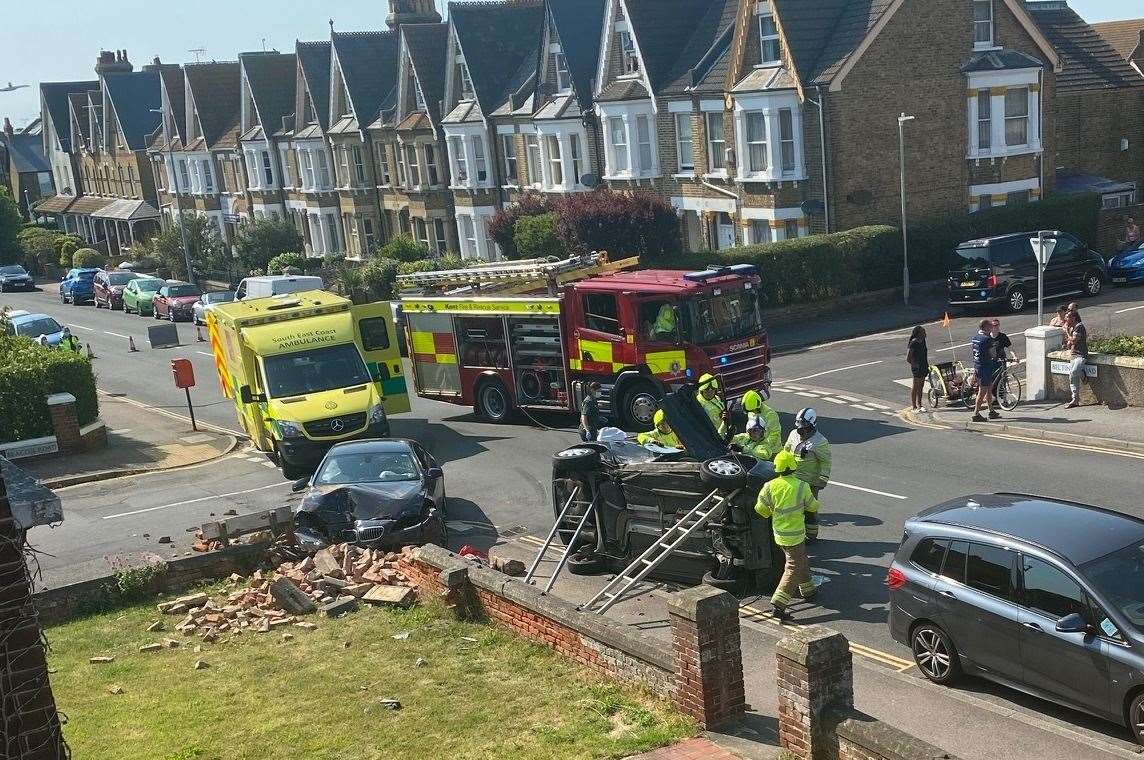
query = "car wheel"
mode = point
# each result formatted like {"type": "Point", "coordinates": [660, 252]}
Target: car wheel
{"type": "Point", "coordinates": [492, 401]}
{"type": "Point", "coordinates": [1136, 717]}
{"type": "Point", "coordinates": [576, 459]}
{"type": "Point", "coordinates": [584, 564]}
{"type": "Point", "coordinates": [712, 578]}
{"type": "Point", "coordinates": [935, 654]}
{"type": "Point", "coordinates": [1093, 284]}
{"type": "Point", "coordinates": [723, 473]}
{"type": "Point", "coordinates": [1016, 300]}
{"type": "Point", "coordinates": [639, 404]}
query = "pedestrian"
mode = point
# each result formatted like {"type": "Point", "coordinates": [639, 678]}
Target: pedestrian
{"type": "Point", "coordinates": [661, 435]}
{"type": "Point", "coordinates": [590, 421]}
{"type": "Point", "coordinates": [755, 405]}
{"type": "Point", "coordinates": [1061, 318]}
{"type": "Point", "coordinates": [811, 451]}
{"type": "Point", "coordinates": [917, 356]}
{"type": "Point", "coordinates": [1131, 235]}
{"type": "Point", "coordinates": [788, 502]}
{"type": "Point", "coordinates": [983, 348]}
{"type": "Point", "coordinates": [708, 398]}
{"type": "Point", "coordinates": [755, 442]}
{"type": "Point", "coordinates": [1077, 343]}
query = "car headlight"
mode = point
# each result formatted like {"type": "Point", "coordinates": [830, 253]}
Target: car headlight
{"type": "Point", "coordinates": [376, 414]}
{"type": "Point", "coordinates": [289, 429]}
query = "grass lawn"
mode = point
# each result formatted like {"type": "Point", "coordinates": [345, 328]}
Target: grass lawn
{"type": "Point", "coordinates": [319, 695]}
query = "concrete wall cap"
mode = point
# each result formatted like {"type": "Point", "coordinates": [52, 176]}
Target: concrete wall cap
{"type": "Point", "coordinates": [812, 644]}
{"type": "Point", "coordinates": [1044, 331]}
{"type": "Point", "coordinates": [454, 577]}
{"type": "Point", "coordinates": [55, 399]}
{"type": "Point", "coordinates": [887, 742]}
{"type": "Point", "coordinates": [702, 601]}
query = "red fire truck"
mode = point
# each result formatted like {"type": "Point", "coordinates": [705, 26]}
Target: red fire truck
{"type": "Point", "coordinates": [531, 334]}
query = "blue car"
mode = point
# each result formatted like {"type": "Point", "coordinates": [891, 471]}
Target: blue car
{"type": "Point", "coordinates": [1127, 267]}
{"type": "Point", "coordinates": [78, 286]}
{"type": "Point", "coordinates": [35, 325]}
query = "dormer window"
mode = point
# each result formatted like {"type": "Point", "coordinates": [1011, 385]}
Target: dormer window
{"type": "Point", "coordinates": [982, 24]}
{"type": "Point", "coordinates": [770, 48]}
{"type": "Point", "coordinates": [563, 77]}
{"type": "Point", "coordinates": [466, 81]}
{"type": "Point", "coordinates": [628, 50]}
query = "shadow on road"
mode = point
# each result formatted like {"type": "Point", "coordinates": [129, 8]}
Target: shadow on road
{"type": "Point", "coordinates": [856, 589]}
{"type": "Point", "coordinates": [443, 442]}
{"type": "Point", "coordinates": [841, 430]}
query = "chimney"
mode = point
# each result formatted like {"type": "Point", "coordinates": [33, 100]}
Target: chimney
{"type": "Point", "coordinates": [7, 127]}
{"type": "Point", "coordinates": [411, 12]}
{"type": "Point", "coordinates": [112, 61]}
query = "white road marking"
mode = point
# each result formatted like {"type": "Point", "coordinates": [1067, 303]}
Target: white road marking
{"type": "Point", "coordinates": [834, 400]}
{"type": "Point", "coordinates": [876, 406]}
{"type": "Point", "coordinates": [172, 415]}
{"type": "Point", "coordinates": [851, 399]}
{"type": "Point", "coordinates": [1131, 308]}
{"type": "Point", "coordinates": [120, 431]}
{"type": "Point", "coordinates": [117, 335]}
{"type": "Point", "coordinates": [793, 388]}
{"type": "Point", "coordinates": [905, 382]}
{"type": "Point", "coordinates": [867, 490]}
{"type": "Point", "coordinates": [1061, 445]}
{"type": "Point", "coordinates": [81, 327]}
{"type": "Point", "coordinates": [204, 353]}
{"type": "Point", "coordinates": [192, 501]}
{"type": "Point", "coordinates": [808, 395]}
{"type": "Point", "coordinates": [864, 408]}
{"type": "Point", "coordinates": [953, 348]}
{"type": "Point", "coordinates": [832, 371]}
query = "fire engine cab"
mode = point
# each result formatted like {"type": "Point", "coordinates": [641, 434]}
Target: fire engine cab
{"type": "Point", "coordinates": [531, 334]}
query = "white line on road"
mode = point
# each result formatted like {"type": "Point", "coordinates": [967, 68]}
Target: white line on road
{"type": "Point", "coordinates": [1062, 445]}
{"type": "Point", "coordinates": [850, 399]}
{"type": "Point", "coordinates": [805, 393]}
{"type": "Point", "coordinates": [864, 408]}
{"type": "Point", "coordinates": [953, 348]}
{"type": "Point", "coordinates": [81, 327]}
{"type": "Point", "coordinates": [117, 335]}
{"type": "Point", "coordinates": [868, 490]}
{"type": "Point", "coordinates": [204, 353]}
{"type": "Point", "coordinates": [1131, 308]}
{"type": "Point", "coordinates": [193, 501]}
{"type": "Point", "coordinates": [832, 371]}
{"type": "Point", "coordinates": [876, 406]}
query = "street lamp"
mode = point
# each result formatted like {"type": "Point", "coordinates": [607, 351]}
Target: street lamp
{"type": "Point", "coordinates": [905, 235]}
{"type": "Point", "coordinates": [1043, 247]}
{"type": "Point", "coordinates": [178, 196]}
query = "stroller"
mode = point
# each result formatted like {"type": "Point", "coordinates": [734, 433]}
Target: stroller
{"type": "Point", "coordinates": [949, 383]}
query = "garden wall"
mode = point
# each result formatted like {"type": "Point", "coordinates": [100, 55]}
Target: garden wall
{"type": "Point", "coordinates": [1119, 380]}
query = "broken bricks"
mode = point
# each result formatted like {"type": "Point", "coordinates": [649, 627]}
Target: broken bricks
{"type": "Point", "coordinates": [397, 596]}
{"type": "Point", "coordinates": [291, 598]}
{"type": "Point", "coordinates": [339, 606]}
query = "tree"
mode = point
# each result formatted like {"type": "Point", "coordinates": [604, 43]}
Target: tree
{"type": "Point", "coordinates": [502, 225]}
{"type": "Point", "coordinates": [87, 258]}
{"type": "Point", "coordinates": [535, 237]}
{"type": "Point", "coordinates": [379, 276]}
{"type": "Point", "coordinates": [40, 248]}
{"type": "Point", "coordinates": [622, 223]}
{"type": "Point", "coordinates": [283, 261]}
{"type": "Point", "coordinates": [203, 242]}
{"type": "Point", "coordinates": [10, 222]}
{"type": "Point", "coordinates": [404, 248]}
{"type": "Point", "coordinates": [66, 245]}
{"type": "Point", "coordinates": [263, 239]}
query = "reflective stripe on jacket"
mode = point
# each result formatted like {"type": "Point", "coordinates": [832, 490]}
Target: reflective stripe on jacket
{"type": "Point", "coordinates": [785, 500]}
{"type": "Point", "coordinates": [813, 457]}
{"type": "Point", "coordinates": [774, 428]}
{"type": "Point", "coordinates": [714, 409]}
{"type": "Point", "coordinates": [759, 449]}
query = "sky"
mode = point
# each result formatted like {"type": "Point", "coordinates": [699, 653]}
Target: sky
{"type": "Point", "coordinates": [61, 45]}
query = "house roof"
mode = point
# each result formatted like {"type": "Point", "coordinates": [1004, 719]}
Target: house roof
{"type": "Point", "coordinates": [369, 65]}
{"type": "Point", "coordinates": [1124, 36]}
{"type": "Point", "coordinates": [217, 92]}
{"type": "Point", "coordinates": [427, 44]}
{"type": "Point", "coordinates": [622, 89]}
{"type": "Point", "coordinates": [314, 60]}
{"type": "Point", "coordinates": [54, 96]}
{"type": "Point", "coordinates": [662, 30]}
{"type": "Point", "coordinates": [175, 83]}
{"type": "Point", "coordinates": [808, 26]}
{"type": "Point", "coordinates": [26, 152]}
{"type": "Point", "coordinates": [496, 38]}
{"type": "Point", "coordinates": [78, 102]}
{"type": "Point", "coordinates": [703, 64]}
{"type": "Point", "coordinates": [578, 24]}
{"type": "Point", "coordinates": [136, 97]}
{"type": "Point", "coordinates": [1088, 61]}
{"type": "Point", "coordinates": [271, 78]}
{"type": "Point", "coordinates": [768, 78]}
{"type": "Point", "coordinates": [1000, 60]}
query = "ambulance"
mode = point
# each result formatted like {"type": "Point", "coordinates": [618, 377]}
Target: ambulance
{"type": "Point", "coordinates": [308, 370]}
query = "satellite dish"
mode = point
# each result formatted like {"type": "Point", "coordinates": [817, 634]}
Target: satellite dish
{"type": "Point", "coordinates": [812, 207]}
{"type": "Point", "coordinates": [590, 180]}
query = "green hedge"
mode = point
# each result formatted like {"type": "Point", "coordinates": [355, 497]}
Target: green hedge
{"type": "Point", "coordinates": [28, 373]}
{"type": "Point", "coordinates": [1117, 345]}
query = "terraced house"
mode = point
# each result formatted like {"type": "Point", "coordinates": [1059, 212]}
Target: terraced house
{"type": "Point", "coordinates": [267, 101]}
{"type": "Point", "coordinates": [57, 136]}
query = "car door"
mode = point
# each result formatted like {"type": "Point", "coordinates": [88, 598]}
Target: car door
{"type": "Point", "coordinates": [428, 463]}
{"type": "Point", "coordinates": [161, 299]}
{"type": "Point", "coordinates": [975, 603]}
{"type": "Point", "coordinates": [1068, 666]}
{"type": "Point", "coordinates": [376, 336]}
{"type": "Point", "coordinates": [1064, 271]}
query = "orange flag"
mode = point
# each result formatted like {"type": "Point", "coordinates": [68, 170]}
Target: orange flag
{"type": "Point", "coordinates": [945, 322]}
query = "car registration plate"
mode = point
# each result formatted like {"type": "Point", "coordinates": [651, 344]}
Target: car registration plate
{"type": "Point", "coordinates": [1120, 279]}
{"type": "Point", "coordinates": [969, 284]}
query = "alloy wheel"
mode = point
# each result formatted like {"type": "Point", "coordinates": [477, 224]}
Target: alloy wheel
{"type": "Point", "coordinates": [725, 467]}
{"type": "Point", "coordinates": [574, 452]}
{"type": "Point", "coordinates": [932, 654]}
{"type": "Point", "coordinates": [1138, 719]}
{"type": "Point", "coordinates": [1093, 284]}
{"type": "Point", "coordinates": [1017, 300]}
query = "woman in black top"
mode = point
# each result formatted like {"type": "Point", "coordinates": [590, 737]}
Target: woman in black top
{"type": "Point", "coordinates": [917, 355]}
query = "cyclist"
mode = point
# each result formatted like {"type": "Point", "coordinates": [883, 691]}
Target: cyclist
{"type": "Point", "coordinates": [985, 366]}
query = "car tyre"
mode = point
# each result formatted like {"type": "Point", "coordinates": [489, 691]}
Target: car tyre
{"type": "Point", "coordinates": [1016, 300]}
{"type": "Point", "coordinates": [585, 564]}
{"type": "Point", "coordinates": [493, 402]}
{"type": "Point", "coordinates": [576, 459]}
{"type": "Point", "coordinates": [934, 654]}
{"type": "Point", "coordinates": [723, 473]}
{"type": "Point", "coordinates": [1135, 717]}
{"type": "Point", "coordinates": [1093, 284]}
{"type": "Point", "coordinates": [638, 406]}
{"type": "Point", "coordinates": [713, 579]}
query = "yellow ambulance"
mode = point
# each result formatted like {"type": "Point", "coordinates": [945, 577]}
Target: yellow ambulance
{"type": "Point", "coordinates": [308, 370]}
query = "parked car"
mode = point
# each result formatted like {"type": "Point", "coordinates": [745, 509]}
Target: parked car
{"type": "Point", "coordinates": [34, 325]}
{"type": "Point", "coordinates": [78, 286]}
{"type": "Point", "coordinates": [1003, 270]}
{"type": "Point", "coordinates": [139, 294]}
{"type": "Point", "coordinates": [378, 493]}
{"type": "Point", "coordinates": [15, 277]}
{"type": "Point", "coordinates": [108, 287]}
{"type": "Point", "coordinates": [1041, 595]}
{"type": "Point", "coordinates": [208, 301]}
{"type": "Point", "coordinates": [275, 285]}
{"type": "Point", "coordinates": [175, 300]}
{"type": "Point", "coordinates": [1127, 267]}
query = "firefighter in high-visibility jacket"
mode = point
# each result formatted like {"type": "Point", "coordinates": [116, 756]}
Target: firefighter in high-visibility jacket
{"type": "Point", "coordinates": [708, 398]}
{"type": "Point", "coordinates": [788, 501]}
{"type": "Point", "coordinates": [661, 434]}
{"type": "Point", "coordinates": [755, 442]}
{"type": "Point", "coordinates": [755, 405]}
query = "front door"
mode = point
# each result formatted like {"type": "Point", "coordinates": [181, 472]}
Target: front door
{"type": "Point", "coordinates": [377, 337]}
{"type": "Point", "coordinates": [725, 232]}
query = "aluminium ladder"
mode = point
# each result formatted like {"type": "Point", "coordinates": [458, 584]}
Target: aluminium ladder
{"type": "Point", "coordinates": [659, 550]}
{"type": "Point", "coordinates": [515, 277]}
{"type": "Point", "coordinates": [552, 537]}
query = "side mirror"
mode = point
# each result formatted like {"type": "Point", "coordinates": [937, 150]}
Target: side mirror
{"type": "Point", "coordinates": [299, 485]}
{"type": "Point", "coordinates": [1072, 623]}
{"type": "Point", "coordinates": [434, 473]}
{"type": "Point", "coordinates": [247, 397]}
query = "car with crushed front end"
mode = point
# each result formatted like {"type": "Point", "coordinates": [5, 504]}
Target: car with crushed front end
{"type": "Point", "coordinates": [377, 493]}
{"type": "Point", "coordinates": [640, 492]}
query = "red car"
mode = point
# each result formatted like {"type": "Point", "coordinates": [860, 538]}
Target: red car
{"type": "Point", "coordinates": [108, 287]}
{"type": "Point", "coordinates": [175, 301]}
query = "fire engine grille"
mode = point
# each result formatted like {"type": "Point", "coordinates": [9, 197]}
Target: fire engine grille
{"type": "Point", "coordinates": [741, 370]}
{"type": "Point", "coordinates": [336, 426]}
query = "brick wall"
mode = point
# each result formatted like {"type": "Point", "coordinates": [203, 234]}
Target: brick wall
{"type": "Point", "coordinates": [863, 738]}
{"type": "Point", "coordinates": [1111, 225]}
{"type": "Point", "coordinates": [1089, 129]}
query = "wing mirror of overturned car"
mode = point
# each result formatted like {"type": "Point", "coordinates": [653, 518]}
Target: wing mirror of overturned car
{"type": "Point", "coordinates": [1073, 623]}
{"type": "Point", "coordinates": [434, 472]}
{"type": "Point", "coordinates": [300, 485]}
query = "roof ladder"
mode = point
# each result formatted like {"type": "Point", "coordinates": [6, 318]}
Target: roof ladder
{"type": "Point", "coordinates": [509, 277]}
{"type": "Point", "coordinates": [571, 543]}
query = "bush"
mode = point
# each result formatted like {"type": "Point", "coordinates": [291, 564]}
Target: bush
{"type": "Point", "coordinates": [404, 248]}
{"type": "Point", "coordinates": [379, 277]}
{"type": "Point", "coordinates": [204, 245]}
{"type": "Point", "coordinates": [263, 240]}
{"type": "Point", "coordinates": [535, 237]}
{"type": "Point", "coordinates": [66, 246]}
{"type": "Point", "coordinates": [10, 222]}
{"type": "Point", "coordinates": [40, 248]}
{"type": "Point", "coordinates": [1117, 345]}
{"type": "Point", "coordinates": [622, 223]}
{"type": "Point", "coordinates": [28, 373]}
{"type": "Point", "coordinates": [86, 258]}
{"type": "Point", "coordinates": [502, 225]}
{"type": "Point", "coordinates": [280, 263]}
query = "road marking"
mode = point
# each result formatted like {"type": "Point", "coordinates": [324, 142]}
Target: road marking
{"type": "Point", "coordinates": [864, 408]}
{"type": "Point", "coordinates": [876, 406]}
{"type": "Point", "coordinates": [807, 394]}
{"type": "Point", "coordinates": [871, 490]}
{"type": "Point", "coordinates": [832, 371]}
{"type": "Point", "coordinates": [1131, 308]}
{"type": "Point", "coordinates": [192, 501]}
{"type": "Point", "coordinates": [81, 327]}
{"type": "Point", "coordinates": [172, 415]}
{"type": "Point", "coordinates": [851, 399]}
{"type": "Point", "coordinates": [1062, 445]}
{"type": "Point", "coordinates": [204, 353]}
{"type": "Point", "coordinates": [885, 658]}
{"type": "Point", "coordinates": [117, 335]}
{"type": "Point", "coordinates": [905, 382]}
{"type": "Point", "coordinates": [954, 348]}
{"type": "Point", "coordinates": [834, 400]}
{"type": "Point", "coordinates": [793, 388]}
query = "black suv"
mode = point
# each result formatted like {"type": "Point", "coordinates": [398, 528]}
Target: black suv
{"type": "Point", "coordinates": [1003, 269]}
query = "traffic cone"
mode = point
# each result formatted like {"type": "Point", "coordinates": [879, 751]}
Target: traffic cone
{"type": "Point", "coordinates": [199, 334]}
{"type": "Point", "coordinates": [90, 353]}
{"type": "Point", "coordinates": [131, 344]}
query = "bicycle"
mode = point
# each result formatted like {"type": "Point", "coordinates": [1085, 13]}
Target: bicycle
{"type": "Point", "coordinates": [1007, 388]}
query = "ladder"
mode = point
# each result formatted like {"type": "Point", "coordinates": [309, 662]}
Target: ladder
{"type": "Point", "coordinates": [552, 537]}
{"type": "Point", "coordinates": [514, 277]}
{"type": "Point", "coordinates": [660, 550]}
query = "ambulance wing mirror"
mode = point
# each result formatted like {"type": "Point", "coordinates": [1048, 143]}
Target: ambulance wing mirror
{"type": "Point", "coordinates": [250, 398]}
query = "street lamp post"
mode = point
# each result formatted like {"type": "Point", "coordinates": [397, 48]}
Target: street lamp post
{"type": "Point", "coordinates": [905, 234]}
{"type": "Point", "coordinates": [178, 196]}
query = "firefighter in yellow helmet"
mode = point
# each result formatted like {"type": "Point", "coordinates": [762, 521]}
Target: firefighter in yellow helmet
{"type": "Point", "coordinates": [788, 502]}
{"type": "Point", "coordinates": [755, 442]}
{"type": "Point", "coordinates": [708, 398]}
{"type": "Point", "coordinates": [755, 405]}
{"type": "Point", "coordinates": [664, 326]}
{"type": "Point", "coordinates": [661, 434]}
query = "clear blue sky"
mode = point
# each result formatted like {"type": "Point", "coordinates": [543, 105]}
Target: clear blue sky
{"type": "Point", "coordinates": [61, 45]}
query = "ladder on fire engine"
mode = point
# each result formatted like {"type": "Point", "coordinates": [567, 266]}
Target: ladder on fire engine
{"type": "Point", "coordinates": [571, 544]}
{"type": "Point", "coordinates": [514, 277]}
{"type": "Point", "coordinates": [660, 550]}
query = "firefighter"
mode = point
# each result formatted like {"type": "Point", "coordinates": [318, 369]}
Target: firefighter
{"type": "Point", "coordinates": [708, 398]}
{"type": "Point", "coordinates": [755, 405]}
{"type": "Point", "coordinates": [71, 343]}
{"type": "Point", "coordinates": [664, 325]}
{"type": "Point", "coordinates": [789, 503]}
{"type": "Point", "coordinates": [661, 434]}
{"type": "Point", "coordinates": [756, 441]}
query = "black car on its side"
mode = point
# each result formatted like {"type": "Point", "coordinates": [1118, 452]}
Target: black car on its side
{"type": "Point", "coordinates": [1003, 270]}
{"type": "Point", "coordinates": [376, 493]}
{"type": "Point", "coordinates": [1041, 595]}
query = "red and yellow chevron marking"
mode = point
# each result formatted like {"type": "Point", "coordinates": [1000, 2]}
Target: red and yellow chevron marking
{"type": "Point", "coordinates": [434, 347]}
{"type": "Point", "coordinates": [220, 361]}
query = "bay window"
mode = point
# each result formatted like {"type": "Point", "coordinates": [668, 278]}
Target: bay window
{"type": "Point", "coordinates": [323, 170]}
{"type": "Point", "coordinates": [383, 163]}
{"type": "Point", "coordinates": [786, 140]}
{"type": "Point", "coordinates": [508, 150]}
{"type": "Point", "coordinates": [532, 153]}
{"type": "Point", "coordinates": [1017, 116]}
{"type": "Point", "coordinates": [370, 237]}
{"type": "Point", "coordinates": [683, 146]}
{"type": "Point", "coordinates": [1004, 113]}
{"type": "Point", "coordinates": [413, 166]}
{"type": "Point", "coordinates": [439, 236]}
{"type": "Point", "coordinates": [577, 158]}
{"type": "Point", "coordinates": [421, 231]}
{"type": "Point", "coordinates": [768, 134]}
{"type": "Point", "coordinates": [399, 153]}
{"type": "Point", "coordinates": [984, 121]}
{"type": "Point", "coordinates": [715, 142]}
{"type": "Point", "coordinates": [359, 166]}
{"type": "Point", "coordinates": [460, 167]}
{"type": "Point", "coordinates": [288, 179]}
{"type": "Point", "coordinates": [480, 167]}
{"type": "Point", "coordinates": [208, 177]}
{"type": "Point", "coordinates": [630, 141]}
{"type": "Point", "coordinates": [756, 142]}
{"type": "Point", "coordinates": [431, 165]}
{"type": "Point", "coordinates": [643, 139]}
{"type": "Point", "coordinates": [267, 170]}
{"type": "Point", "coordinates": [760, 231]}
{"type": "Point", "coordinates": [468, 237]}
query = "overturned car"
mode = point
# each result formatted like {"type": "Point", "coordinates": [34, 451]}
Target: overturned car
{"type": "Point", "coordinates": [641, 492]}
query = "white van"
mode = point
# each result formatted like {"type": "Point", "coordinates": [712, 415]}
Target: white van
{"type": "Point", "coordinates": [275, 285]}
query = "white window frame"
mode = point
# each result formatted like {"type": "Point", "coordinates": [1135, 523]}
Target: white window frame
{"type": "Point", "coordinates": [563, 75]}
{"type": "Point", "coordinates": [986, 41]}
{"type": "Point", "coordinates": [381, 149]}
{"type": "Point", "coordinates": [325, 181]}
{"type": "Point", "coordinates": [532, 154]}
{"type": "Point", "coordinates": [716, 137]}
{"type": "Point", "coordinates": [780, 221]}
{"type": "Point", "coordinates": [997, 84]}
{"type": "Point", "coordinates": [468, 234]}
{"type": "Point", "coordinates": [418, 96]}
{"type": "Point", "coordinates": [772, 105]}
{"type": "Point", "coordinates": [456, 145]}
{"type": "Point", "coordinates": [622, 159]}
{"type": "Point", "coordinates": [358, 161]}
{"type": "Point", "coordinates": [687, 166]}
{"type": "Point", "coordinates": [208, 177]}
{"type": "Point", "coordinates": [267, 169]}
{"type": "Point", "coordinates": [1019, 117]}
{"type": "Point", "coordinates": [467, 90]}
{"type": "Point", "coordinates": [480, 161]}
{"type": "Point", "coordinates": [412, 166]}
{"type": "Point", "coordinates": [619, 155]}
{"type": "Point", "coordinates": [760, 119]}
{"type": "Point", "coordinates": [630, 55]}
{"type": "Point", "coordinates": [468, 150]}
{"type": "Point", "coordinates": [986, 121]}
{"type": "Point", "coordinates": [432, 168]}
{"type": "Point", "coordinates": [787, 140]}
{"type": "Point", "coordinates": [553, 161]}
{"type": "Point", "coordinates": [421, 232]}
{"type": "Point", "coordinates": [511, 165]}
{"type": "Point", "coordinates": [288, 180]}
{"type": "Point", "coordinates": [440, 237]}
{"type": "Point", "coordinates": [764, 12]}
{"type": "Point", "coordinates": [576, 152]}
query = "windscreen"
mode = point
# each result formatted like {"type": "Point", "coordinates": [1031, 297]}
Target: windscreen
{"type": "Point", "coordinates": [314, 370]}
{"type": "Point", "coordinates": [367, 467]}
{"type": "Point", "coordinates": [37, 327]}
{"type": "Point", "coordinates": [86, 275]}
{"type": "Point", "coordinates": [725, 317]}
{"type": "Point", "coordinates": [976, 257]}
{"type": "Point", "coordinates": [149, 286]}
{"type": "Point", "coordinates": [180, 291]}
{"type": "Point", "coordinates": [12, 270]}
{"type": "Point", "coordinates": [120, 278]}
{"type": "Point", "coordinates": [1117, 575]}
{"type": "Point", "coordinates": [225, 296]}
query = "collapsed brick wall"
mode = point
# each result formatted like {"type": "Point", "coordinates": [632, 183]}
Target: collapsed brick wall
{"type": "Point", "coordinates": [29, 724]}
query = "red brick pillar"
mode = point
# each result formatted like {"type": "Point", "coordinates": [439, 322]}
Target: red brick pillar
{"type": "Point", "coordinates": [29, 725]}
{"type": "Point", "coordinates": [65, 422]}
{"type": "Point", "coordinates": [708, 658]}
{"type": "Point", "coordinates": [815, 691]}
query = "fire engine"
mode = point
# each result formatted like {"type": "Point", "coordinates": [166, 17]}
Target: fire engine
{"type": "Point", "coordinates": [532, 334]}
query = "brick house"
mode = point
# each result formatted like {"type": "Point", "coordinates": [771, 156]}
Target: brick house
{"type": "Point", "coordinates": [364, 75]}
{"type": "Point", "coordinates": [267, 98]}
{"type": "Point", "coordinates": [58, 149]}
{"type": "Point", "coordinates": [24, 168]}
{"type": "Point", "coordinates": [1126, 38]}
